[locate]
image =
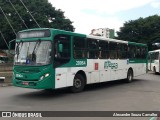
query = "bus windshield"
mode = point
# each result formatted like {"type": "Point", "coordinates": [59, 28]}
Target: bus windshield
{"type": "Point", "coordinates": [33, 53]}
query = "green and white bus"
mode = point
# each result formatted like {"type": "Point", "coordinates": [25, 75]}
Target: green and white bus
{"type": "Point", "coordinates": [51, 59]}
{"type": "Point", "coordinates": [154, 60]}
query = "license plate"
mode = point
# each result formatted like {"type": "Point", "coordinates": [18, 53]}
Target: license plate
{"type": "Point", "coordinates": [25, 83]}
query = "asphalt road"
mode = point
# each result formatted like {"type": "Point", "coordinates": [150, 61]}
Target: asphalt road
{"type": "Point", "coordinates": [143, 94]}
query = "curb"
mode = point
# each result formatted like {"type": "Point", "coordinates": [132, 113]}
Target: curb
{"type": "Point", "coordinates": [5, 84]}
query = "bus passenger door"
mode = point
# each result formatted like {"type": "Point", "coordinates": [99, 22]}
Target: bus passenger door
{"type": "Point", "coordinates": [92, 63]}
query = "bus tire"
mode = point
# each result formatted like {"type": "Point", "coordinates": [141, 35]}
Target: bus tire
{"type": "Point", "coordinates": [78, 84]}
{"type": "Point", "coordinates": [129, 76]}
{"type": "Point", "coordinates": [154, 69]}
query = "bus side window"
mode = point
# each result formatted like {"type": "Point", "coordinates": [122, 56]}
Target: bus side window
{"type": "Point", "coordinates": [122, 51]}
{"type": "Point", "coordinates": [103, 49]}
{"type": "Point", "coordinates": [92, 46]}
{"type": "Point", "coordinates": [62, 49]}
{"type": "Point", "coordinates": [156, 55]}
{"type": "Point", "coordinates": [138, 52]}
{"type": "Point", "coordinates": [113, 50]}
{"type": "Point", "coordinates": [143, 52]}
{"type": "Point", "coordinates": [131, 51]}
{"type": "Point", "coordinates": [79, 47]}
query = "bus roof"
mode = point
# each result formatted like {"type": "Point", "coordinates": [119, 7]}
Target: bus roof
{"type": "Point", "coordinates": [88, 36]}
{"type": "Point", "coordinates": [115, 40]}
{"type": "Point", "coordinates": [34, 29]}
{"type": "Point", "coordinates": [106, 39]}
{"type": "Point", "coordinates": [58, 30]}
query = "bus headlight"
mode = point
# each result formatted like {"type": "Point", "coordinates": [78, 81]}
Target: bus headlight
{"type": "Point", "coordinates": [44, 76]}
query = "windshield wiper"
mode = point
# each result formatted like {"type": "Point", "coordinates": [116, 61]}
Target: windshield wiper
{"type": "Point", "coordinates": [17, 48]}
{"type": "Point", "coordinates": [34, 50]}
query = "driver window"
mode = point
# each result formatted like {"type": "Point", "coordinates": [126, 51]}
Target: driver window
{"type": "Point", "coordinates": [62, 52]}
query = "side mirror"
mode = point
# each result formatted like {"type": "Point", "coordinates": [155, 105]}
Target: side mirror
{"type": "Point", "coordinates": [60, 48]}
{"type": "Point", "coordinates": [11, 44]}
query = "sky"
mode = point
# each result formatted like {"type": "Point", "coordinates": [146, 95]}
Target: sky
{"type": "Point", "coordinates": [93, 14]}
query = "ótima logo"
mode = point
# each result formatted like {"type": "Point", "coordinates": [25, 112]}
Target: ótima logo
{"type": "Point", "coordinates": [109, 64]}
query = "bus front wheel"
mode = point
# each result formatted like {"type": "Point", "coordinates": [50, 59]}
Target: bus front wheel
{"type": "Point", "coordinates": [78, 84]}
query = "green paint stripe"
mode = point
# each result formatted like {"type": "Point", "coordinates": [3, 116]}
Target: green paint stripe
{"type": "Point", "coordinates": [137, 61]}
{"type": "Point", "coordinates": [137, 44]}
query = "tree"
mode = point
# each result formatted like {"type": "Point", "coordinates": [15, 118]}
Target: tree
{"type": "Point", "coordinates": [143, 30]}
{"type": "Point", "coordinates": [45, 15]}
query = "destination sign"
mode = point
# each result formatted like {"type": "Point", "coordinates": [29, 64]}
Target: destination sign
{"type": "Point", "coordinates": [34, 34]}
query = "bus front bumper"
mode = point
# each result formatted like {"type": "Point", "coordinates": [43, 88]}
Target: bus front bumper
{"type": "Point", "coordinates": [41, 84]}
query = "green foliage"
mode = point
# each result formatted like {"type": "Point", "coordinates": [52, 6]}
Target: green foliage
{"type": "Point", "coordinates": [143, 30]}
{"type": "Point", "coordinates": [46, 16]}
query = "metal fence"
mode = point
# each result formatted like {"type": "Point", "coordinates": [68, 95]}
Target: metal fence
{"type": "Point", "coordinates": [6, 67]}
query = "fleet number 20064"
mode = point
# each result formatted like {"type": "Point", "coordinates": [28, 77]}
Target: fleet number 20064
{"type": "Point", "coordinates": [80, 63]}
